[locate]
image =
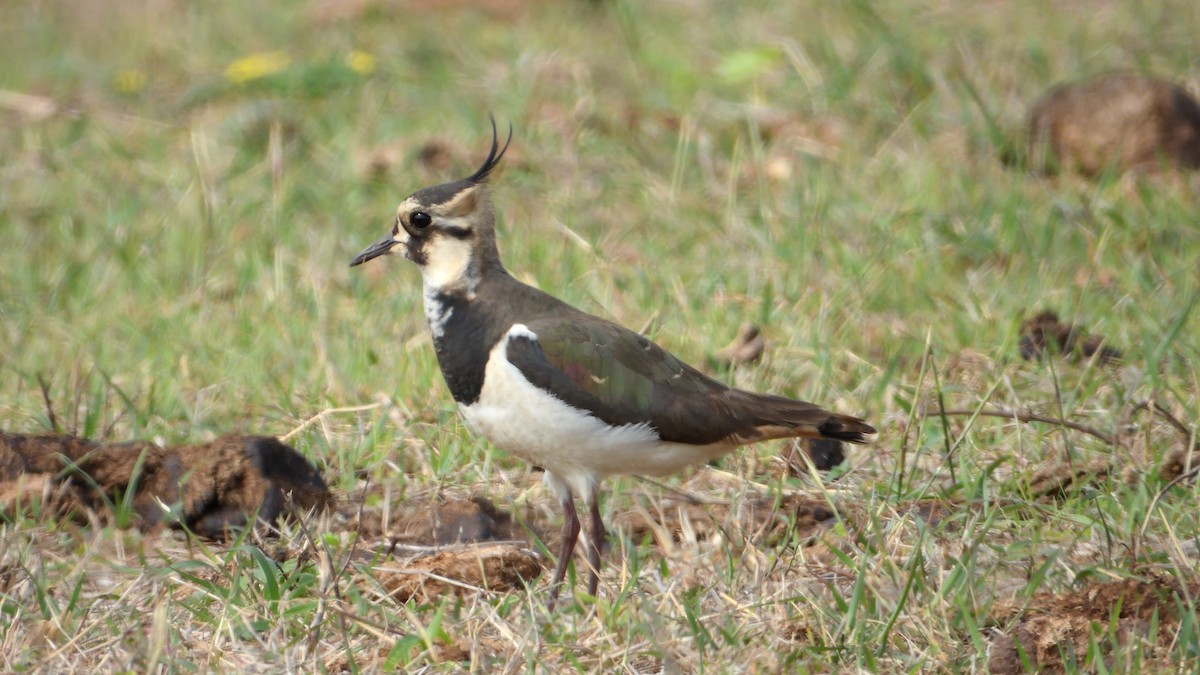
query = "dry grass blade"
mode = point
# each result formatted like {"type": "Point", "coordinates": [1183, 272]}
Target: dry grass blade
{"type": "Point", "coordinates": [328, 411]}
{"type": "Point", "coordinates": [45, 387]}
{"type": "Point", "coordinates": [1028, 417]}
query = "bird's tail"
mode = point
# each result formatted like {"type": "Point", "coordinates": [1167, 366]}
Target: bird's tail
{"type": "Point", "coordinates": [778, 417]}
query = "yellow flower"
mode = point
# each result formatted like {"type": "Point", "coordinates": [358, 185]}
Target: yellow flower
{"type": "Point", "coordinates": [257, 65]}
{"type": "Point", "coordinates": [360, 62]}
{"type": "Point", "coordinates": [130, 81]}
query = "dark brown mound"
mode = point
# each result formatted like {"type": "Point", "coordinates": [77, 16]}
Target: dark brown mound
{"type": "Point", "coordinates": [1046, 331]}
{"type": "Point", "coordinates": [217, 486]}
{"type": "Point", "coordinates": [495, 567]}
{"type": "Point", "coordinates": [1054, 630]}
{"type": "Point", "coordinates": [454, 546]}
{"type": "Point", "coordinates": [460, 521]}
{"type": "Point", "coordinates": [1119, 122]}
{"type": "Point", "coordinates": [436, 522]}
{"type": "Point", "coordinates": [45, 453]}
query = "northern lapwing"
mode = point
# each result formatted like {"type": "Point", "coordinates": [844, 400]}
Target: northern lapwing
{"type": "Point", "coordinates": [573, 393]}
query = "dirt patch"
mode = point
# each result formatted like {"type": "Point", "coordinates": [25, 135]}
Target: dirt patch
{"type": "Point", "coordinates": [1117, 122]}
{"type": "Point", "coordinates": [460, 522]}
{"type": "Point", "coordinates": [439, 523]}
{"type": "Point", "coordinates": [815, 136]}
{"type": "Point", "coordinates": [453, 546]}
{"type": "Point", "coordinates": [433, 159]}
{"type": "Point", "coordinates": [1046, 332]}
{"type": "Point", "coordinates": [934, 512]}
{"type": "Point", "coordinates": [492, 567]}
{"type": "Point", "coordinates": [1054, 630]}
{"type": "Point", "coordinates": [215, 486]}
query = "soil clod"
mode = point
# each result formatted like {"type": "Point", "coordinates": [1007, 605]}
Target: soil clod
{"type": "Point", "coordinates": [495, 567]}
{"type": "Point", "coordinates": [210, 488]}
{"type": "Point", "coordinates": [458, 522]}
{"type": "Point", "coordinates": [1114, 122]}
{"type": "Point", "coordinates": [1054, 630]}
{"type": "Point", "coordinates": [1045, 332]}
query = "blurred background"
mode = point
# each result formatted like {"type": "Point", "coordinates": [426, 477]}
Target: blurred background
{"type": "Point", "coordinates": [183, 185]}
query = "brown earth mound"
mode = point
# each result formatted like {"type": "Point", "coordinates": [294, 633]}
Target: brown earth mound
{"type": "Point", "coordinates": [452, 546]}
{"type": "Point", "coordinates": [460, 522]}
{"type": "Point", "coordinates": [1118, 121]}
{"type": "Point", "coordinates": [1053, 631]}
{"type": "Point", "coordinates": [438, 523]}
{"type": "Point", "coordinates": [1046, 332]}
{"type": "Point", "coordinates": [462, 569]}
{"type": "Point", "coordinates": [217, 486]}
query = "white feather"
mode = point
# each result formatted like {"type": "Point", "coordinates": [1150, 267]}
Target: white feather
{"type": "Point", "coordinates": [436, 313]}
{"type": "Point", "coordinates": [448, 262]}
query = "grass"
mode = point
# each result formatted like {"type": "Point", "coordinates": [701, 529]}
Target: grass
{"type": "Point", "coordinates": [179, 234]}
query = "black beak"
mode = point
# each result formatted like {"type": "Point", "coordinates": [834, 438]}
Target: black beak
{"type": "Point", "coordinates": [381, 247]}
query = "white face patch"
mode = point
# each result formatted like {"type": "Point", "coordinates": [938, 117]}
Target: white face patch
{"type": "Point", "coordinates": [402, 236]}
{"type": "Point", "coordinates": [448, 263]}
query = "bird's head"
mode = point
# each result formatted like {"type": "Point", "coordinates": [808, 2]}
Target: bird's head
{"type": "Point", "coordinates": [448, 230]}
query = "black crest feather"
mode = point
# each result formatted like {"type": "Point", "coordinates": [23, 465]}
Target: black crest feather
{"type": "Point", "coordinates": [494, 155]}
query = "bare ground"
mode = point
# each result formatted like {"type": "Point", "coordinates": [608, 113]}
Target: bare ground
{"type": "Point", "coordinates": [432, 546]}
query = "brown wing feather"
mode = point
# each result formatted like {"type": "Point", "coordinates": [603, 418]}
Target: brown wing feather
{"type": "Point", "coordinates": [623, 378]}
{"type": "Point", "coordinates": [780, 417]}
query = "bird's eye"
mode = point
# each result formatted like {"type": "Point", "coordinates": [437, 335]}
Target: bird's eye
{"type": "Point", "coordinates": [420, 219]}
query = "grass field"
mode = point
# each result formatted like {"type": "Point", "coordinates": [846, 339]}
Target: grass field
{"type": "Point", "coordinates": [183, 186]}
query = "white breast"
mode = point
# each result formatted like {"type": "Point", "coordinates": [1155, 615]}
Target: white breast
{"type": "Point", "coordinates": [574, 445]}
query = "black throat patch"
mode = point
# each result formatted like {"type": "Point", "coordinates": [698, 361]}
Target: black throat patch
{"type": "Point", "coordinates": [463, 341]}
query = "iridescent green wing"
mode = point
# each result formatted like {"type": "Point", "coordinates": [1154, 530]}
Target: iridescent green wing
{"type": "Point", "coordinates": [623, 378]}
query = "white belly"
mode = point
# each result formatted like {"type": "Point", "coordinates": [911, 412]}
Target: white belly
{"type": "Point", "coordinates": [572, 444]}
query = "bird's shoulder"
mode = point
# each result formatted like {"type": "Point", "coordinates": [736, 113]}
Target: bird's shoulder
{"type": "Point", "coordinates": [598, 365]}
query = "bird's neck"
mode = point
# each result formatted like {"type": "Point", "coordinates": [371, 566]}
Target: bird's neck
{"type": "Point", "coordinates": [452, 267]}
{"type": "Point", "coordinates": [452, 280]}
{"type": "Point", "coordinates": [456, 266]}
{"type": "Point", "coordinates": [465, 326]}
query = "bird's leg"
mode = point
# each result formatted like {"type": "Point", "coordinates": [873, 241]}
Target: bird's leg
{"type": "Point", "coordinates": [570, 533]}
{"type": "Point", "coordinates": [597, 534]}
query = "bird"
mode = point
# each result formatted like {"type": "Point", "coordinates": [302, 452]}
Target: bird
{"type": "Point", "coordinates": [575, 394]}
